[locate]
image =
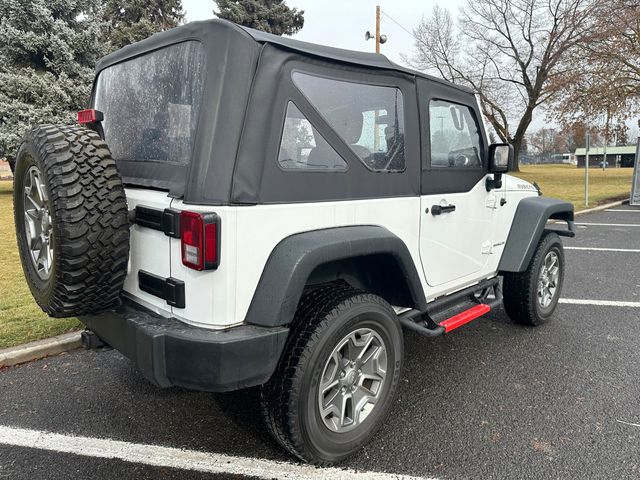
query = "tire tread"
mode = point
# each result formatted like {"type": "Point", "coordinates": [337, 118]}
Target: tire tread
{"type": "Point", "coordinates": [520, 288]}
{"type": "Point", "coordinates": [91, 226]}
{"type": "Point", "coordinates": [317, 308]}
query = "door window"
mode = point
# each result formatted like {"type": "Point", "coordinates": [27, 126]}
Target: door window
{"type": "Point", "coordinates": [455, 136]}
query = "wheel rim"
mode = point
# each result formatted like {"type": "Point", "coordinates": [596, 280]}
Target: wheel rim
{"type": "Point", "coordinates": [548, 279]}
{"type": "Point", "coordinates": [352, 380]}
{"type": "Point", "coordinates": [37, 223]}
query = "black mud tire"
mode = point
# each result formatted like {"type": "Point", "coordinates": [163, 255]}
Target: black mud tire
{"type": "Point", "coordinates": [89, 220]}
{"type": "Point", "coordinates": [520, 289]}
{"type": "Point", "coordinates": [289, 399]}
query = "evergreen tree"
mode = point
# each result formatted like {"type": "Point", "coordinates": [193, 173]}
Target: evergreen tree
{"type": "Point", "coordinates": [134, 20]}
{"type": "Point", "coordinates": [271, 16]}
{"type": "Point", "coordinates": [49, 49]}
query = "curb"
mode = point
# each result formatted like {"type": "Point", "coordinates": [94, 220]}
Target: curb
{"type": "Point", "coordinates": [602, 207]}
{"type": "Point", "coordinates": [39, 349]}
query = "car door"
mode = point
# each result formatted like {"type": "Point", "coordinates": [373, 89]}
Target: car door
{"type": "Point", "coordinates": [456, 209]}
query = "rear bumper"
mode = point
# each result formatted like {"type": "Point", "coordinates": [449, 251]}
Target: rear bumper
{"type": "Point", "coordinates": [171, 353]}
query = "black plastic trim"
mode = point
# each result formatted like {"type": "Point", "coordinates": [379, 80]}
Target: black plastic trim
{"type": "Point", "coordinates": [529, 223]}
{"type": "Point", "coordinates": [169, 352]}
{"type": "Point", "coordinates": [169, 289]}
{"type": "Point", "coordinates": [294, 259]}
{"type": "Point", "coordinates": [171, 222]}
{"type": "Point", "coordinates": [213, 218]}
{"type": "Point", "coordinates": [440, 209]}
{"type": "Point", "coordinates": [167, 220]}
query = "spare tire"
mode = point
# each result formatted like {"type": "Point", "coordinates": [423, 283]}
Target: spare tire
{"type": "Point", "coordinates": [71, 219]}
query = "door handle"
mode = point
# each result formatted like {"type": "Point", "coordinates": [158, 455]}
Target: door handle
{"type": "Point", "coordinates": [438, 209]}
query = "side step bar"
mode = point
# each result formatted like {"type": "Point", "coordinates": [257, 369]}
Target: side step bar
{"type": "Point", "coordinates": [424, 324]}
{"type": "Point", "coordinates": [465, 317]}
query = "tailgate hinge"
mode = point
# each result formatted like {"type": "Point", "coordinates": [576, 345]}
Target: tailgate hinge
{"type": "Point", "coordinates": [166, 221]}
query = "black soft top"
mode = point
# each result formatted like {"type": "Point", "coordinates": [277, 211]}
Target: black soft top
{"type": "Point", "coordinates": [207, 29]}
{"type": "Point", "coordinates": [246, 91]}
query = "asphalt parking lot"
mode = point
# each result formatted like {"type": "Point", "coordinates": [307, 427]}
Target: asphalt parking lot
{"type": "Point", "coordinates": [491, 400]}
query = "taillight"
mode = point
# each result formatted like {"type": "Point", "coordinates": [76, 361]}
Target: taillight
{"type": "Point", "coordinates": [200, 240]}
{"type": "Point", "coordinates": [89, 116]}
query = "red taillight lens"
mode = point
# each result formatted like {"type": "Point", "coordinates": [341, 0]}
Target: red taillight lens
{"type": "Point", "coordinates": [199, 234]}
{"type": "Point", "coordinates": [191, 229]}
{"type": "Point", "coordinates": [89, 116]}
{"type": "Point", "coordinates": [211, 243]}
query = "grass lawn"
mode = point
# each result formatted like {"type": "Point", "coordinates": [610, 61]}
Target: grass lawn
{"type": "Point", "coordinates": [567, 182]}
{"type": "Point", "coordinates": [21, 320]}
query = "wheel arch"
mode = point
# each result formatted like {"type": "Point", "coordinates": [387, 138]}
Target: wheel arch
{"type": "Point", "coordinates": [528, 226]}
{"type": "Point", "coordinates": [367, 257]}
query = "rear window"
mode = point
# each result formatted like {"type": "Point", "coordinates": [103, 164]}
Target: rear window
{"type": "Point", "coordinates": [151, 104]}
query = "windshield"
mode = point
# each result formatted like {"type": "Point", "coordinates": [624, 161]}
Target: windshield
{"type": "Point", "coordinates": [151, 104]}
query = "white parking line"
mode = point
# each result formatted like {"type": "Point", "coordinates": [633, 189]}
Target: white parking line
{"type": "Point", "coordinates": [600, 303]}
{"type": "Point", "coordinates": [598, 249]}
{"type": "Point", "coordinates": [178, 458]}
{"type": "Point", "coordinates": [625, 211]}
{"type": "Point", "coordinates": [609, 224]}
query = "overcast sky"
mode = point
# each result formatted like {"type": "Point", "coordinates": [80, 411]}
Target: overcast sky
{"type": "Point", "coordinates": [343, 23]}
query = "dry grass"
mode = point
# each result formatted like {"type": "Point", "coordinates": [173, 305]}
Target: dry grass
{"type": "Point", "coordinates": [567, 182]}
{"type": "Point", "coordinates": [21, 320]}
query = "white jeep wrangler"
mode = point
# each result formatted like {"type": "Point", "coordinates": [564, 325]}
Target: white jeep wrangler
{"type": "Point", "coordinates": [240, 209]}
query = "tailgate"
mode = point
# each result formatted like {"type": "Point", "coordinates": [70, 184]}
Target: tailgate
{"type": "Point", "coordinates": [150, 249]}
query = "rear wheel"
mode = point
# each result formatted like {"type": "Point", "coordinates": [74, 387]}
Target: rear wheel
{"type": "Point", "coordinates": [71, 220]}
{"type": "Point", "coordinates": [336, 381]}
{"type": "Point", "coordinates": [531, 297]}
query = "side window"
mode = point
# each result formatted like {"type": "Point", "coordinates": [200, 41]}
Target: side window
{"type": "Point", "coordinates": [455, 136]}
{"type": "Point", "coordinates": [303, 148]}
{"type": "Point", "coordinates": [369, 118]}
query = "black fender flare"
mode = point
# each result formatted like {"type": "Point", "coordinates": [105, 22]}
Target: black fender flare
{"type": "Point", "coordinates": [529, 223]}
{"type": "Point", "coordinates": [293, 260]}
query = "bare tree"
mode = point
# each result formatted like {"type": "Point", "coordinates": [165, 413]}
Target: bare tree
{"type": "Point", "coordinates": [507, 51]}
{"type": "Point", "coordinates": [548, 141]}
{"type": "Point", "coordinates": [600, 79]}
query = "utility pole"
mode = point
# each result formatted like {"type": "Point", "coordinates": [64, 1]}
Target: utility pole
{"type": "Point", "coordinates": [606, 141]}
{"type": "Point", "coordinates": [377, 28]}
{"type": "Point", "coordinates": [586, 171]}
{"type": "Point", "coordinates": [379, 38]}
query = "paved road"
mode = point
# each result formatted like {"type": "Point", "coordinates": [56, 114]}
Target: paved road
{"type": "Point", "coordinates": [491, 400]}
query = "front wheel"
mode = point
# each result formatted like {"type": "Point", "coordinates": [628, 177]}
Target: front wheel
{"type": "Point", "coordinates": [336, 381]}
{"type": "Point", "coordinates": [531, 297]}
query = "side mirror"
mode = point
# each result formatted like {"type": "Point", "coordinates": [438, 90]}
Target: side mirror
{"type": "Point", "coordinates": [500, 157]}
{"type": "Point", "coordinates": [500, 161]}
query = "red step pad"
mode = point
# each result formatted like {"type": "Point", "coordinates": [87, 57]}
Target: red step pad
{"type": "Point", "coordinates": [465, 317]}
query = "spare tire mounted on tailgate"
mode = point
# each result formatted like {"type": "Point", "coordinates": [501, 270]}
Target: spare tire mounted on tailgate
{"type": "Point", "coordinates": [71, 220]}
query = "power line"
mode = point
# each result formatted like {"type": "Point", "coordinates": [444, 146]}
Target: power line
{"type": "Point", "coordinates": [402, 26]}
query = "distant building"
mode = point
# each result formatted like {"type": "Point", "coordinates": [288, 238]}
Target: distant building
{"type": "Point", "coordinates": [616, 156]}
{"type": "Point", "coordinates": [538, 158]}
